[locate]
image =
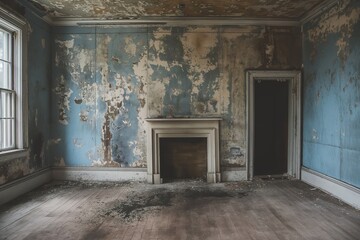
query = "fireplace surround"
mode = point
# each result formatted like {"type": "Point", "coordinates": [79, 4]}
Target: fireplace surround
{"type": "Point", "coordinates": [183, 128]}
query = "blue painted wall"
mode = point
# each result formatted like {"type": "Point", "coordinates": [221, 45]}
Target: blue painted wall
{"type": "Point", "coordinates": [107, 80]}
{"type": "Point", "coordinates": [331, 131]}
{"type": "Point", "coordinates": [39, 75]}
{"type": "Point", "coordinates": [91, 88]}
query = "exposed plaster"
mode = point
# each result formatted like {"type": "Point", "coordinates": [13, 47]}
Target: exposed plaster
{"type": "Point", "coordinates": [64, 94]}
{"type": "Point", "coordinates": [159, 73]}
{"type": "Point", "coordinates": [190, 8]}
{"type": "Point", "coordinates": [339, 20]}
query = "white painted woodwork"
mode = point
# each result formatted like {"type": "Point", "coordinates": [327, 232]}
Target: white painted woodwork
{"type": "Point", "coordinates": [182, 128]}
{"type": "Point", "coordinates": [340, 190]}
{"type": "Point", "coordinates": [294, 125]}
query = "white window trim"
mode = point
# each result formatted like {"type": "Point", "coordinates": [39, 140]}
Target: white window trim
{"type": "Point", "coordinates": [19, 26]}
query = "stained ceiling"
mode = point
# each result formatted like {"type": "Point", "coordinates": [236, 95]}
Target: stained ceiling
{"type": "Point", "coordinates": [134, 9]}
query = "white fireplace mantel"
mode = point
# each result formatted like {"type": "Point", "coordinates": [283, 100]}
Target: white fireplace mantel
{"type": "Point", "coordinates": [182, 128]}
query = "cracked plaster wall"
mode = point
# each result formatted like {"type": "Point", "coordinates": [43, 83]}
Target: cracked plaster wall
{"type": "Point", "coordinates": [106, 81]}
{"type": "Point", "coordinates": [331, 132]}
{"type": "Point", "coordinates": [39, 74]}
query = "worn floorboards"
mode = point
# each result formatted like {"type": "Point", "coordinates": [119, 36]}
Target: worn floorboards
{"type": "Point", "coordinates": [279, 209]}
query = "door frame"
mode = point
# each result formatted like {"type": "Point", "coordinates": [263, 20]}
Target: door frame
{"type": "Point", "coordinates": [294, 125]}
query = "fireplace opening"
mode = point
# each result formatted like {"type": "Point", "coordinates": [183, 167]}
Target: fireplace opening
{"type": "Point", "coordinates": [183, 158]}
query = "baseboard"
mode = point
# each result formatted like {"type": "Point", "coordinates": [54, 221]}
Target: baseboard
{"type": "Point", "coordinates": [233, 174]}
{"type": "Point", "coordinates": [23, 185]}
{"type": "Point", "coordinates": [99, 174]}
{"type": "Point", "coordinates": [340, 190]}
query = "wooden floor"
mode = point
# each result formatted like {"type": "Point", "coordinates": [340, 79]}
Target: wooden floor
{"type": "Point", "coordinates": [279, 209]}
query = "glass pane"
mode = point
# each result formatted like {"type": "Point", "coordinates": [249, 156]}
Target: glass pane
{"type": "Point", "coordinates": [5, 47]}
{"type": "Point", "coordinates": [5, 75]}
{"type": "Point", "coordinates": [7, 137]}
{"type": "Point", "coordinates": [7, 104]}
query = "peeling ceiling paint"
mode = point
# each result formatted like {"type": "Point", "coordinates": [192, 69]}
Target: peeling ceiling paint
{"type": "Point", "coordinates": [132, 9]}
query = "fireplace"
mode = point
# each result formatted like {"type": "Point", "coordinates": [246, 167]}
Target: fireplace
{"type": "Point", "coordinates": [182, 128]}
{"type": "Point", "coordinates": [183, 158]}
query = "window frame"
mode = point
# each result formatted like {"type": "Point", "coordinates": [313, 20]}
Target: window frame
{"type": "Point", "coordinates": [18, 27]}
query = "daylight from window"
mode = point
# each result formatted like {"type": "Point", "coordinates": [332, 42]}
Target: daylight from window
{"type": "Point", "coordinates": [7, 93]}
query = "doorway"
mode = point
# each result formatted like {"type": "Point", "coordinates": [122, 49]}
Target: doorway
{"type": "Point", "coordinates": [271, 127]}
{"type": "Point", "coordinates": [273, 123]}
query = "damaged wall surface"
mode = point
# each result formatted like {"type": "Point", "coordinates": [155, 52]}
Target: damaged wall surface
{"type": "Point", "coordinates": [39, 74]}
{"type": "Point", "coordinates": [107, 80]}
{"type": "Point", "coordinates": [290, 9]}
{"type": "Point", "coordinates": [331, 135]}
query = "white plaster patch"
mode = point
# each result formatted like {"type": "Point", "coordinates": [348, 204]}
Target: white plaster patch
{"type": "Point", "coordinates": [130, 47]}
{"type": "Point", "coordinates": [315, 136]}
{"type": "Point", "coordinates": [197, 47]}
{"type": "Point", "coordinates": [58, 4]}
{"type": "Point", "coordinates": [157, 88]}
{"type": "Point", "coordinates": [157, 43]}
{"type": "Point", "coordinates": [84, 115]}
{"type": "Point", "coordinates": [65, 44]}
{"type": "Point", "coordinates": [141, 92]}
{"type": "Point", "coordinates": [342, 47]}
{"type": "Point", "coordinates": [77, 143]}
{"type": "Point", "coordinates": [84, 58]}
{"type": "Point", "coordinates": [88, 94]}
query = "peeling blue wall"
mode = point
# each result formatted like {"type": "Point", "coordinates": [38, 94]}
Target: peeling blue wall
{"type": "Point", "coordinates": [39, 75]}
{"type": "Point", "coordinates": [331, 132]}
{"type": "Point", "coordinates": [107, 80]}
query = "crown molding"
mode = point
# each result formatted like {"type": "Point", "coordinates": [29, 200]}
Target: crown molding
{"type": "Point", "coordinates": [191, 21]}
{"type": "Point", "coordinates": [173, 21]}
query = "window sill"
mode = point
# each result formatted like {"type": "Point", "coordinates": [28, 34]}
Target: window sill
{"type": "Point", "coordinates": [13, 154]}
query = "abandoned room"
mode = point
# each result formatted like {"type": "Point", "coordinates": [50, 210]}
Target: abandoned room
{"type": "Point", "coordinates": [180, 119]}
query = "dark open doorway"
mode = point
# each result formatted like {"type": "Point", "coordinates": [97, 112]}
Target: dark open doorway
{"type": "Point", "coordinates": [271, 127]}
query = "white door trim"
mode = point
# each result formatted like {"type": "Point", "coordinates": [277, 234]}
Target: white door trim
{"type": "Point", "coordinates": [294, 139]}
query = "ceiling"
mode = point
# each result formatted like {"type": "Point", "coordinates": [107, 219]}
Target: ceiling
{"type": "Point", "coordinates": [139, 9]}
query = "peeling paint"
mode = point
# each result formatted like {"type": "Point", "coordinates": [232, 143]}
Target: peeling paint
{"type": "Point", "coordinates": [14, 169]}
{"type": "Point", "coordinates": [339, 19]}
{"type": "Point", "coordinates": [38, 74]}
{"type": "Point", "coordinates": [119, 80]}
{"type": "Point", "coordinates": [331, 88]}
{"type": "Point", "coordinates": [64, 100]}
{"type": "Point", "coordinates": [84, 115]}
{"type": "Point", "coordinates": [77, 143]}
{"type": "Point", "coordinates": [189, 8]}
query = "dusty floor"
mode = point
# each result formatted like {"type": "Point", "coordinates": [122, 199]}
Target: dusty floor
{"type": "Point", "coordinates": [280, 209]}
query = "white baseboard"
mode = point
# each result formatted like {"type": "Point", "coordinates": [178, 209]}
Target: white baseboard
{"type": "Point", "coordinates": [99, 174]}
{"type": "Point", "coordinates": [341, 190]}
{"type": "Point", "coordinates": [23, 185]}
{"type": "Point", "coordinates": [233, 174]}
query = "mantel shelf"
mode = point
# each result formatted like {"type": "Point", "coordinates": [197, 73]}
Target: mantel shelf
{"type": "Point", "coordinates": [158, 128]}
{"type": "Point", "coordinates": [182, 119]}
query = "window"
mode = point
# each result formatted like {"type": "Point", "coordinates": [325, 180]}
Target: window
{"type": "Point", "coordinates": [12, 83]}
{"type": "Point", "coordinates": [7, 92]}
